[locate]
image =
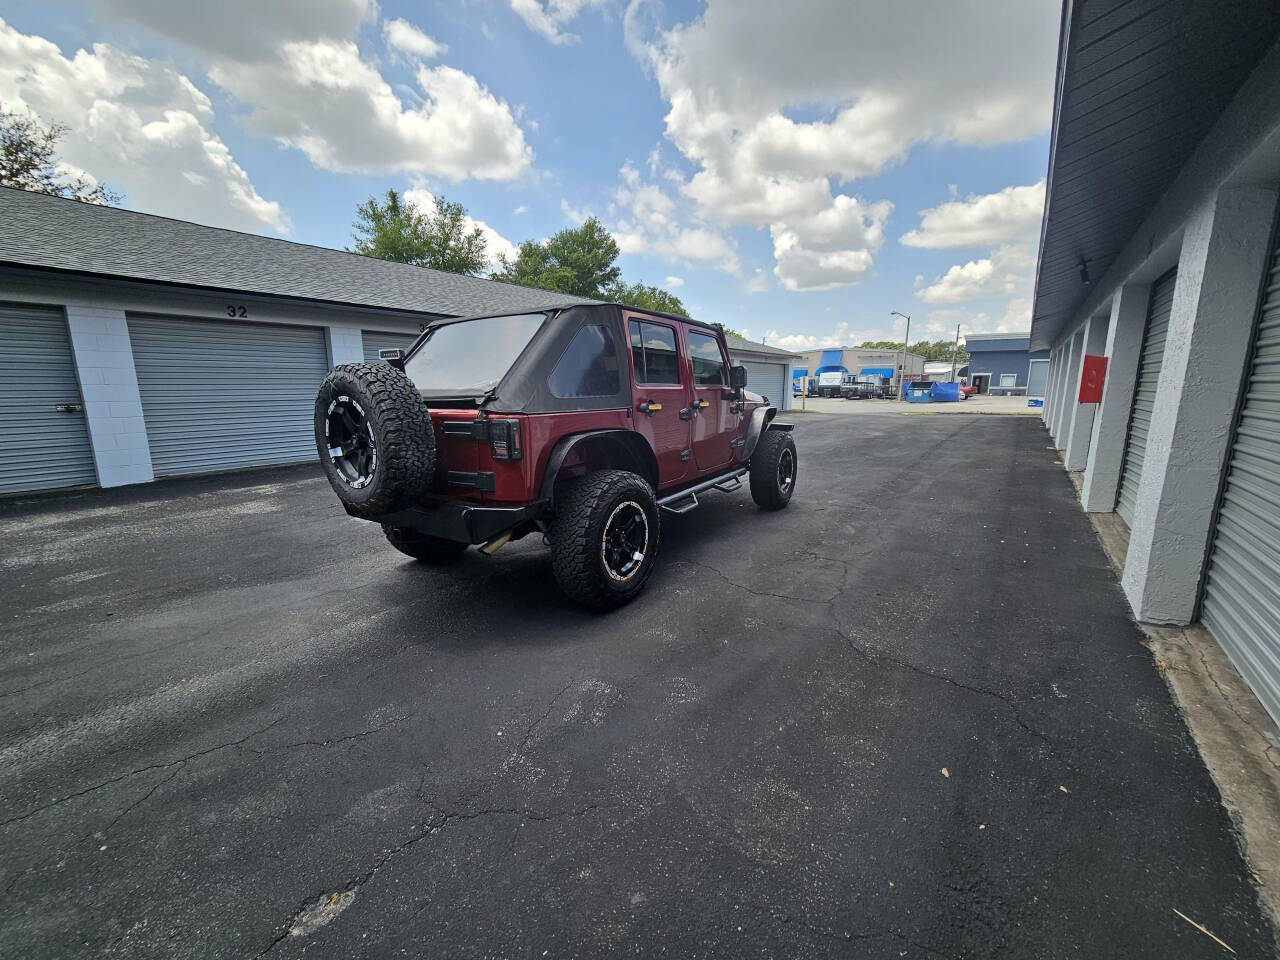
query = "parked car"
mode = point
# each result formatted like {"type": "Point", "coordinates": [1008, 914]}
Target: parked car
{"type": "Point", "coordinates": [585, 423]}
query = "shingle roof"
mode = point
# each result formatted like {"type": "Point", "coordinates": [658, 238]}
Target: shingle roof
{"type": "Point", "coordinates": [739, 345]}
{"type": "Point", "coordinates": [53, 233]}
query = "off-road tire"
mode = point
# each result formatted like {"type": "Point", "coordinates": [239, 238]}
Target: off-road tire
{"type": "Point", "coordinates": [401, 428]}
{"type": "Point", "coordinates": [578, 532]}
{"type": "Point", "coordinates": [422, 546]}
{"type": "Point", "coordinates": [766, 488]}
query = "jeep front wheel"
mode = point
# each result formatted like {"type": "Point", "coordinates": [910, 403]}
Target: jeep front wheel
{"type": "Point", "coordinates": [773, 470]}
{"type": "Point", "coordinates": [604, 539]}
{"type": "Point", "coordinates": [373, 433]}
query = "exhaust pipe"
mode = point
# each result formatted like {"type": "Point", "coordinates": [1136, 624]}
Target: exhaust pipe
{"type": "Point", "coordinates": [496, 544]}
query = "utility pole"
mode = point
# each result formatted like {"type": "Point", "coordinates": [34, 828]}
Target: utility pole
{"type": "Point", "coordinates": [955, 350]}
{"type": "Point", "coordinates": [906, 341]}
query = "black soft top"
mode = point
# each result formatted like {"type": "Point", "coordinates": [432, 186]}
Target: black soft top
{"type": "Point", "coordinates": [525, 387]}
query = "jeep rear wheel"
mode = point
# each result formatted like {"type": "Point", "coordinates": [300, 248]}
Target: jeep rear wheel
{"type": "Point", "coordinates": [773, 470]}
{"type": "Point", "coordinates": [423, 546]}
{"type": "Point", "coordinates": [373, 432]}
{"type": "Point", "coordinates": [604, 539]}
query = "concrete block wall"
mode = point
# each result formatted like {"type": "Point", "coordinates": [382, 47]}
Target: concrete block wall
{"type": "Point", "coordinates": [109, 387]}
{"type": "Point", "coordinates": [1223, 259]}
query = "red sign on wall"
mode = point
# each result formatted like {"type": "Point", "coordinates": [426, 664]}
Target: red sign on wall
{"type": "Point", "coordinates": [1093, 373]}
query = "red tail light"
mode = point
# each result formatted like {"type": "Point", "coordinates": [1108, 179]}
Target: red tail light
{"type": "Point", "coordinates": [504, 439]}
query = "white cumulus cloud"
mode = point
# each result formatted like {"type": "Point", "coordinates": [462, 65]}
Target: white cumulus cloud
{"type": "Point", "coordinates": [404, 36]}
{"type": "Point", "coordinates": [1006, 273]}
{"type": "Point", "coordinates": [297, 67]}
{"type": "Point", "coordinates": [649, 222]}
{"type": "Point", "coordinates": [772, 103]}
{"type": "Point", "coordinates": [675, 283]}
{"type": "Point", "coordinates": [550, 17]}
{"type": "Point", "coordinates": [985, 220]}
{"type": "Point", "coordinates": [496, 245]}
{"type": "Point", "coordinates": [138, 125]}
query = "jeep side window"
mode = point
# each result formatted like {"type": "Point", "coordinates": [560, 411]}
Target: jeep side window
{"type": "Point", "coordinates": [653, 352]}
{"type": "Point", "coordinates": [588, 367]}
{"type": "Point", "coordinates": [709, 368]}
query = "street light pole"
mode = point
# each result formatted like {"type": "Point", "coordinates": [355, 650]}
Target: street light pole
{"type": "Point", "coordinates": [906, 340]}
{"type": "Point", "coordinates": [954, 352]}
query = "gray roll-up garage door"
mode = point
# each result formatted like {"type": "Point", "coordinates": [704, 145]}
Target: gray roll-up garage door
{"type": "Point", "coordinates": [218, 396]}
{"type": "Point", "coordinates": [40, 445]}
{"type": "Point", "coordinates": [768, 379]}
{"type": "Point", "coordinates": [1144, 394]}
{"type": "Point", "coordinates": [1241, 605]}
{"type": "Point", "coordinates": [375, 340]}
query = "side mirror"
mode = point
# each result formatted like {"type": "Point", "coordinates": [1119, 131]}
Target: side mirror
{"type": "Point", "coordinates": [738, 377]}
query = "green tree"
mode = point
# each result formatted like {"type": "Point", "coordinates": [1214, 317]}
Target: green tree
{"type": "Point", "coordinates": [580, 261]}
{"type": "Point", "coordinates": [647, 297]}
{"type": "Point", "coordinates": [395, 229]}
{"type": "Point", "coordinates": [29, 161]}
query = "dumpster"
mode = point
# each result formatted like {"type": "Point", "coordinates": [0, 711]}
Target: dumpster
{"type": "Point", "coordinates": [946, 392]}
{"type": "Point", "coordinates": [920, 392]}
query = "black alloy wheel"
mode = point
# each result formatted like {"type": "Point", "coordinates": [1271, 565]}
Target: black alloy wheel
{"type": "Point", "coordinates": [349, 437]}
{"type": "Point", "coordinates": [625, 541]}
{"type": "Point", "coordinates": [786, 469]}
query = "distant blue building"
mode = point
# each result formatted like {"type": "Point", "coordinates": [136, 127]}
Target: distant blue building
{"type": "Point", "coordinates": [1002, 364]}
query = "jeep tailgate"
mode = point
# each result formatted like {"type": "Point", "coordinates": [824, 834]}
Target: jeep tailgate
{"type": "Point", "coordinates": [456, 452]}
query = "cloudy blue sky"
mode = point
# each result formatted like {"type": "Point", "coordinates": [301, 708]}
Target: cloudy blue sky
{"type": "Point", "coordinates": [795, 170]}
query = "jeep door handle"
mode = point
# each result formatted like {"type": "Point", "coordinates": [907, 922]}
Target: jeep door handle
{"type": "Point", "coordinates": [649, 407]}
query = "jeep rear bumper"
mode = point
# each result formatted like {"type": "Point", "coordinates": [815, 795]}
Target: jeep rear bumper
{"type": "Point", "coordinates": [463, 522]}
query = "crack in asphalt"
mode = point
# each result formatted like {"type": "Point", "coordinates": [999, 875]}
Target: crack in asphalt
{"type": "Point", "coordinates": [882, 660]}
{"type": "Point", "coordinates": [336, 740]}
{"type": "Point", "coordinates": [133, 773]}
{"type": "Point", "coordinates": [753, 590]}
{"type": "Point", "coordinates": [430, 829]}
{"type": "Point", "coordinates": [877, 933]}
{"type": "Point", "coordinates": [529, 731]}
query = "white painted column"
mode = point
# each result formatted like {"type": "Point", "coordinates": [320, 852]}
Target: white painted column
{"type": "Point", "coordinates": [1215, 301]}
{"type": "Point", "coordinates": [1047, 410]}
{"type": "Point", "coordinates": [109, 386]}
{"type": "Point", "coordinates": [1080, 415]}
{"type": "Point", "coordinates": [346, 344]}
{"type": "Point", "coordinates": [1066, 392]}
{"type": "Point", "coordinates": [1124, 349]}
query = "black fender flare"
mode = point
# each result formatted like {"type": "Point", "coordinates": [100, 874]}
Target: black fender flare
{"type": "Point", "coordinates": [632, 450]}
{"type": "Point", "coordinates": [761, 420]}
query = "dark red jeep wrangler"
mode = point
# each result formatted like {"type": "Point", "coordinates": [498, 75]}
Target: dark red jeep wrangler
{"type": "Point", "coordinates": [584, 423]}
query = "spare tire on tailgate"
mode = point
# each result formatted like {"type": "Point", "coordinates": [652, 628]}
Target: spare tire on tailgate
{"type": "Point", "coordinates": [373, 432]}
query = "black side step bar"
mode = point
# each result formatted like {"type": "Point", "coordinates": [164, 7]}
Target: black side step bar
{"type": "Point", "coordinates": [682, 501]}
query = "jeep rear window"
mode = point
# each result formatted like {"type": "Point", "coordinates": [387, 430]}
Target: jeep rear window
{"type": "Point", "coordinates": [470, 357]}
{"type": "Point", "coordinates": [588, 367]}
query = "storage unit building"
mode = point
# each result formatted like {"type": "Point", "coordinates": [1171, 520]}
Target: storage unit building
{"type": "Point", "coordinates": [135, 347]}
{"type": "Point", "coordinates": [1000, 363]}
{"type": "Point", "coordinates": [1158, 252]}
{"type": "Point", "coordinates": [769, 369]}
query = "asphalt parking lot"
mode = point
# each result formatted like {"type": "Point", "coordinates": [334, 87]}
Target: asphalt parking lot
{"type": "Point", "coordinates": [907, 717]}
